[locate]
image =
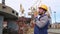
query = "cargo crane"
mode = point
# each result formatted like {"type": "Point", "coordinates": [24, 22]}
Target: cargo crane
{"type": "Point", "coordinates": [33, 9]}
{"type": "Point", "coordinates": [22, 10]}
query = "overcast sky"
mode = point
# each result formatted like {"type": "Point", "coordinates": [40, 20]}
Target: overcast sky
{"type": "Point", "coordinates": [54, 4]}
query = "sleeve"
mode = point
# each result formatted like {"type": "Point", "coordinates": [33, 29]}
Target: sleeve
{"type": "Point", "coordinates": [42, 22]}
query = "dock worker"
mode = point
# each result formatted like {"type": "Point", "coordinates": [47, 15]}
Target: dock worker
{"type": "Point", "coordinates": [41, 23]}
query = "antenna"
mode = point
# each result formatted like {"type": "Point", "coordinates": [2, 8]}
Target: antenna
{"type": "Point", "coordinates": [3, 2]}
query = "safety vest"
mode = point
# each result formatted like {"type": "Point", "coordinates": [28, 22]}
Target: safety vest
{"type": "Point", "coordinates": [43, 30]}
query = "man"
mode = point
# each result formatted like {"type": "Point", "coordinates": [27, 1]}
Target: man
{"type": "Point", "coordinates": [41, 23]}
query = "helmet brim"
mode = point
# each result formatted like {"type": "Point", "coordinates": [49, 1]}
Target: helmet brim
{"type": "Point", "coordinates": [42, 8]}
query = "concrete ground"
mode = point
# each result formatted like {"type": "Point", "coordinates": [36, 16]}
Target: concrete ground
{"type": "Point", "coordinates": [54, 31]}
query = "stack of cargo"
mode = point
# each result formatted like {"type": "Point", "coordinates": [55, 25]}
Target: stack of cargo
{"type": "Point", "coordinates": [22, 23]}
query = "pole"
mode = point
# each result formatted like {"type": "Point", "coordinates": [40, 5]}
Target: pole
{"type": "Point", "coordinates": [55, 15]}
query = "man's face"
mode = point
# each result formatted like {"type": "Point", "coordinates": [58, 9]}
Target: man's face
{"type": "Point", "coordinates": [41, 11]}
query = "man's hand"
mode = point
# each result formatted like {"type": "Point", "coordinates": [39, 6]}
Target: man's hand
{"type": "Point", "coordinates": [32, 23]}
{"type": "Point", "coordinates": [35, 15]}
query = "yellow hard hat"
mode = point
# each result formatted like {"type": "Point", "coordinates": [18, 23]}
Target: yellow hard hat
{"type": "Point", "coordinates": [43, 7]}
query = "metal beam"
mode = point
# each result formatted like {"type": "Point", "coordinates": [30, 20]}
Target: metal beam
{"type": "Point", "coordinates": [1, 25]}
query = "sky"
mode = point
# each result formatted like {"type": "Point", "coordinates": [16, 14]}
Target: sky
{"type": "Point", "coordinates": [54, 4]}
